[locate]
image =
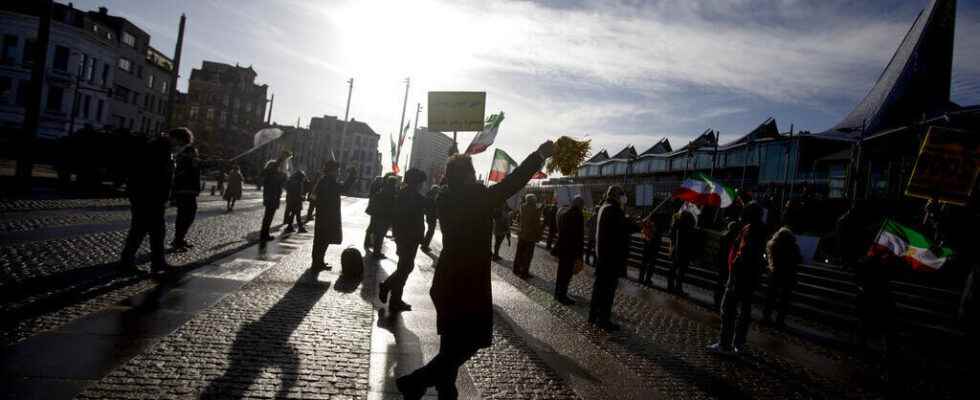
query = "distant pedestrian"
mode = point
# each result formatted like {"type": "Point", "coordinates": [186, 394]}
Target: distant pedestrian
{"type": "Point", "coordinates": [311, 183]}
{"type": "Point", "coordinates": [148, 186]}
{"type": "Point", "coordinates": [683, 238]}
{"type": "Point", "coordinates": [375, 187]}
{"type": "Point", "coordinates": [408, 226]}
{"type": "Point", "coordinates": [461, 290]}
{"type": "Point", "coordinates": [272, 180]}
{"type": "Point", "coordinates": [653, 230]}
{"type": "Point", "coordinates": [725, 242]}
{"type": "Point", "coordinates": [431, 218]}
{"type": "Point", "coordinates": [571, 229]}
{"type": "Point", "coordinates": [328, 228]}
{"type": "Point", "coordinates": [295, 188]}
{"type": "Point", "coordinates": [529, 235]}
{"type": "Point", "coordinates": [501, 229]}
{"type": "Point", "coordinates": [590, 225]}
{"type": "Point", "coordinates": [745, 266]}
{"type": "Point", "coordinates": [613, 232]}
{"type": "Point", "coordinates": [186, 187]}
{"type": "Point", "coordinates": [551, 221]}
{"type": "Point", "coordinates": [784, 258]}
{"type": "Point", "coordinates": [382, 210]}
{"type": "Point", "coordinates": [221, 182]}
{"type": "Point", "coordinates": [234, 190]}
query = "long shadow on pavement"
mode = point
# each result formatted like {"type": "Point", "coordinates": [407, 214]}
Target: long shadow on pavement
{"type": "Point", "coordinates": [265, 342]}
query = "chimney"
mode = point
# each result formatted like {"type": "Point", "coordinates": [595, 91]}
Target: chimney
{"type": "Point", "coordinates": [103, 10]}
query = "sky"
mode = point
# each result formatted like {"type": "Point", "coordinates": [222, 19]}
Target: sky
{"type": "Point", "coordinates": [616, 72]}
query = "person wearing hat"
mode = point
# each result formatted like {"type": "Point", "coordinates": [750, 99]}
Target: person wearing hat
{"type": "Point", "coordinates": [186, 186]}
{"type": "Point", "coordinates": [295, 188]}
{"type": "Point", "coordinates": [613, 230]}
{"type": "Point", "coordinates": [408, 226]}
{"type": "Point", "coordinates": [327, 229]}
{"type": "Point", "coordinates": [272, 180]}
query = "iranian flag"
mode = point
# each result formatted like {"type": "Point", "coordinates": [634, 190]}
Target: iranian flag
{"type": "Point", "coordinates": [503, 165]}
{"type": "Point", "coordinates": [705, 191]}
{"type": "Point", "coordinates": [394, 156]}
{"type": "Point", "coordinates": [909, 245]}
{"type": "Point", "coordinates": [486, 137]}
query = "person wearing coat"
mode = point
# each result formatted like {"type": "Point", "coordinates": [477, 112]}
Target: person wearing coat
{"type": "Point", "coordinates": [272, 181]}
{"type": "Point", "coordinates": [784, 258]}
{"type": "Point", "coordinates": [186, 187]}
{"type": "Point", "coordinates": [571, 229]}
{"type": "Point", "coordinates": [501, 229]}
{"type": "Point", "coordinates": [551, 221]}
{"type": "Point", "coordinates": [408, 226]}
{"type": "Point", "coordinates": [381, 207]}
{"type": "Point", "coordinates": [461, 290]}
{"type": "Point", "coordinates": [529, 235]}
{"type": "Point", "coordinates": [725, 242]}
{"type": "Point", "coordinates": [370, 210]}
{"type": "Point", "coordinates": [430, 217]}
{"type": "Point", "coordinates": [613, 232]}
{"type": "Point", "coordinates": [683, 235]}
{"type": "Point", "coordinates": [327, 228]}
{"type": "Point", "coordinates": [148, 187]}
{"type": "Point", "coordinates": [234, 190]}
{"type": "Point", "coordinates": [745, 263]}
{"type": "Point", "coordinates": [295, 188]}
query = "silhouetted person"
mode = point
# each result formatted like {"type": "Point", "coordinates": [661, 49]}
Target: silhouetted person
{"type": "Point", "coordinates": [431, 219]}
{"type": "Point", "coordinates": [328, 228]}
{"type": "Point", "coordinates": [590, 235]}
{"type": "Point", "coordinates": [683, 237]}
{"type": "Point", "coordinates": [408, 226]}
{"type": "Point", "coordinates": [272, 181]}
{"type": "Point", "coordinates": [876, 305]}
{"type": "Point", "coordinates": [613, 232]}
{"type": "Point", "coordinates": [234, 190]}
{"type": "Point", "coordinates": [383, 211]}
{"type": "Point", "coordinates": [310, 185]}
{"type": "Point", "coordinates": [221, 183]}
{"type": "Point", "coordinates": [295, 188]}
{"type": "Point", "coordinates": [461, 285]}
{"type": "Point", "coordinates": [571, 229]}
{"type": "Point", "coordinates": [148, 186]}
{"type": "Point", "coordinates": [652, 233]}
{"type": "Point", "coordinates": [744, 270]}
{"type": "Point", "coordinates": [784, 259]}
{"type": "Point", "coordinates": [529, 235]}
{"type": "Point", "coordinates": [376, 185]}
{"type": "Point", "coordinates": [551, 221]}
{"type": "Point", "coordinates": [186, 187]}
{"type": "Point", "coordinates": [501, 229]}
{"type": "Point", "coordinates": [722, 260]}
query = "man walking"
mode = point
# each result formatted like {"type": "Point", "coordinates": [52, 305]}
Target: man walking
{"type": "Point", "coordinates": [571, 227]}
{"type": "Point", "coordinates": [295, 187]}
{"type": "Point", "coordinates": [272, 181]}
{"type": "Point", "coordinates": [408, 226]}
{"type": "Point", "coordinates": [327, 229]}
{"type": "Point", "coordinates": [501, 229]}
{"type": "Point", "coordinates": [461, 290]}
{"type": "Point", "coordinates": [186, 187]}
{"type": "Point", "coordinates": [613, 232]}
{"type": "Point", "coordinates": [148, 186]}
{"type": "Point", "coordinates": [682, 240]}
{"type": "Point", "coordinates": [529, 235]}
{"type": "Point", "coordinates": [745, 265]}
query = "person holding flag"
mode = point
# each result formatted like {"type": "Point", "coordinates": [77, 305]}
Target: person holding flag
{"type": "Point", "coordinates": [487, 136]}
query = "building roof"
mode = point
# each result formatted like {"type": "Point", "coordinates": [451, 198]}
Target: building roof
{"type": "Point", "coordinates": [599, 157]}
{"type": "Point", "coordinates": [767, 129]}
{"type": "Point", "coordinates": [663, 146]}
{"type": "Point", "coordinates": [627, 153]}
{"type": "Point", "coordinates": [915, 83]}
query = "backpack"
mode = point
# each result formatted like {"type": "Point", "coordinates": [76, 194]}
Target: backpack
{"type": "Point", "coordinates": [351, 262]}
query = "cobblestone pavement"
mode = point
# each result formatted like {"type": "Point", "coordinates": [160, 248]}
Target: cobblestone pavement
{"type": "Point", "coordinates": [290, 332]}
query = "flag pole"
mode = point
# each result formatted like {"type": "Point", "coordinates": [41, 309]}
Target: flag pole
{"type": "Point", "coordinates": [401, 123]}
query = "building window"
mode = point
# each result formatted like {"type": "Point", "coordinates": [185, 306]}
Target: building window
{"type": "Point", "coordinates": [193, 112]}
{"type": "Point", "coordinates": [98, 110]}
{"type": "Point", "coordinates": [86, 104]}
{"type": "Point", "coordinates": [29, 48]}
{"type": "Point", "coordinates": [89, 72]}
{"type": "Point", "coordinates": [55, 96]}
{"type": "Point", "coordinates": [9, 54]}
{"type": "Point", "coordinates": [129, 39]}
{"type": "Point", "coordinates": [125, 65]}
{"type": "Point", "coordinates": [121, 93]}
{"type": "Point", "coordinates": [210, 115]}
{"type": "Point", "coordinates": [105, 74]}
{"type": "Point", "coordinates": [6, 90]}
{"type": "Point", "coordinates": [60, 62]}
{"type": "Point", "coordinates": [248, 107]}
{"type": "Point", "coordinates": [164, 86]}
{"type": "Point", "coordinates": [136, 98]}
{"type": "Point", "coordinates": [149, 81]}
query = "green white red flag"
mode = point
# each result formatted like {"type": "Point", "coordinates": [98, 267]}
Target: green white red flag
{"type": "Point", "coordinates": [503, 165]}
{"type": "Point", "coordinates": [394, 155]}
{"type": "Point", "coordinates": [705, 191]}
{"type": "Point", "coordinates": [911, 246]}
{"type": "Point", "coordinates": [486, 137]}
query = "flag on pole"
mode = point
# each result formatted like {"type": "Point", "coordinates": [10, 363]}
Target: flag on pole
{"type": "Point", "coordinates": [503, 165]}
{"type": "Point", "coordinates": [401, 137]}
{"type": "Point", "coordinates": [485, 138]}
{"type": "Point", "coordinates": [394, 155]}
{"type": "Point", "coordinates": [912, 247]}
{"type": "Point", "coordinates": [704, 191]}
